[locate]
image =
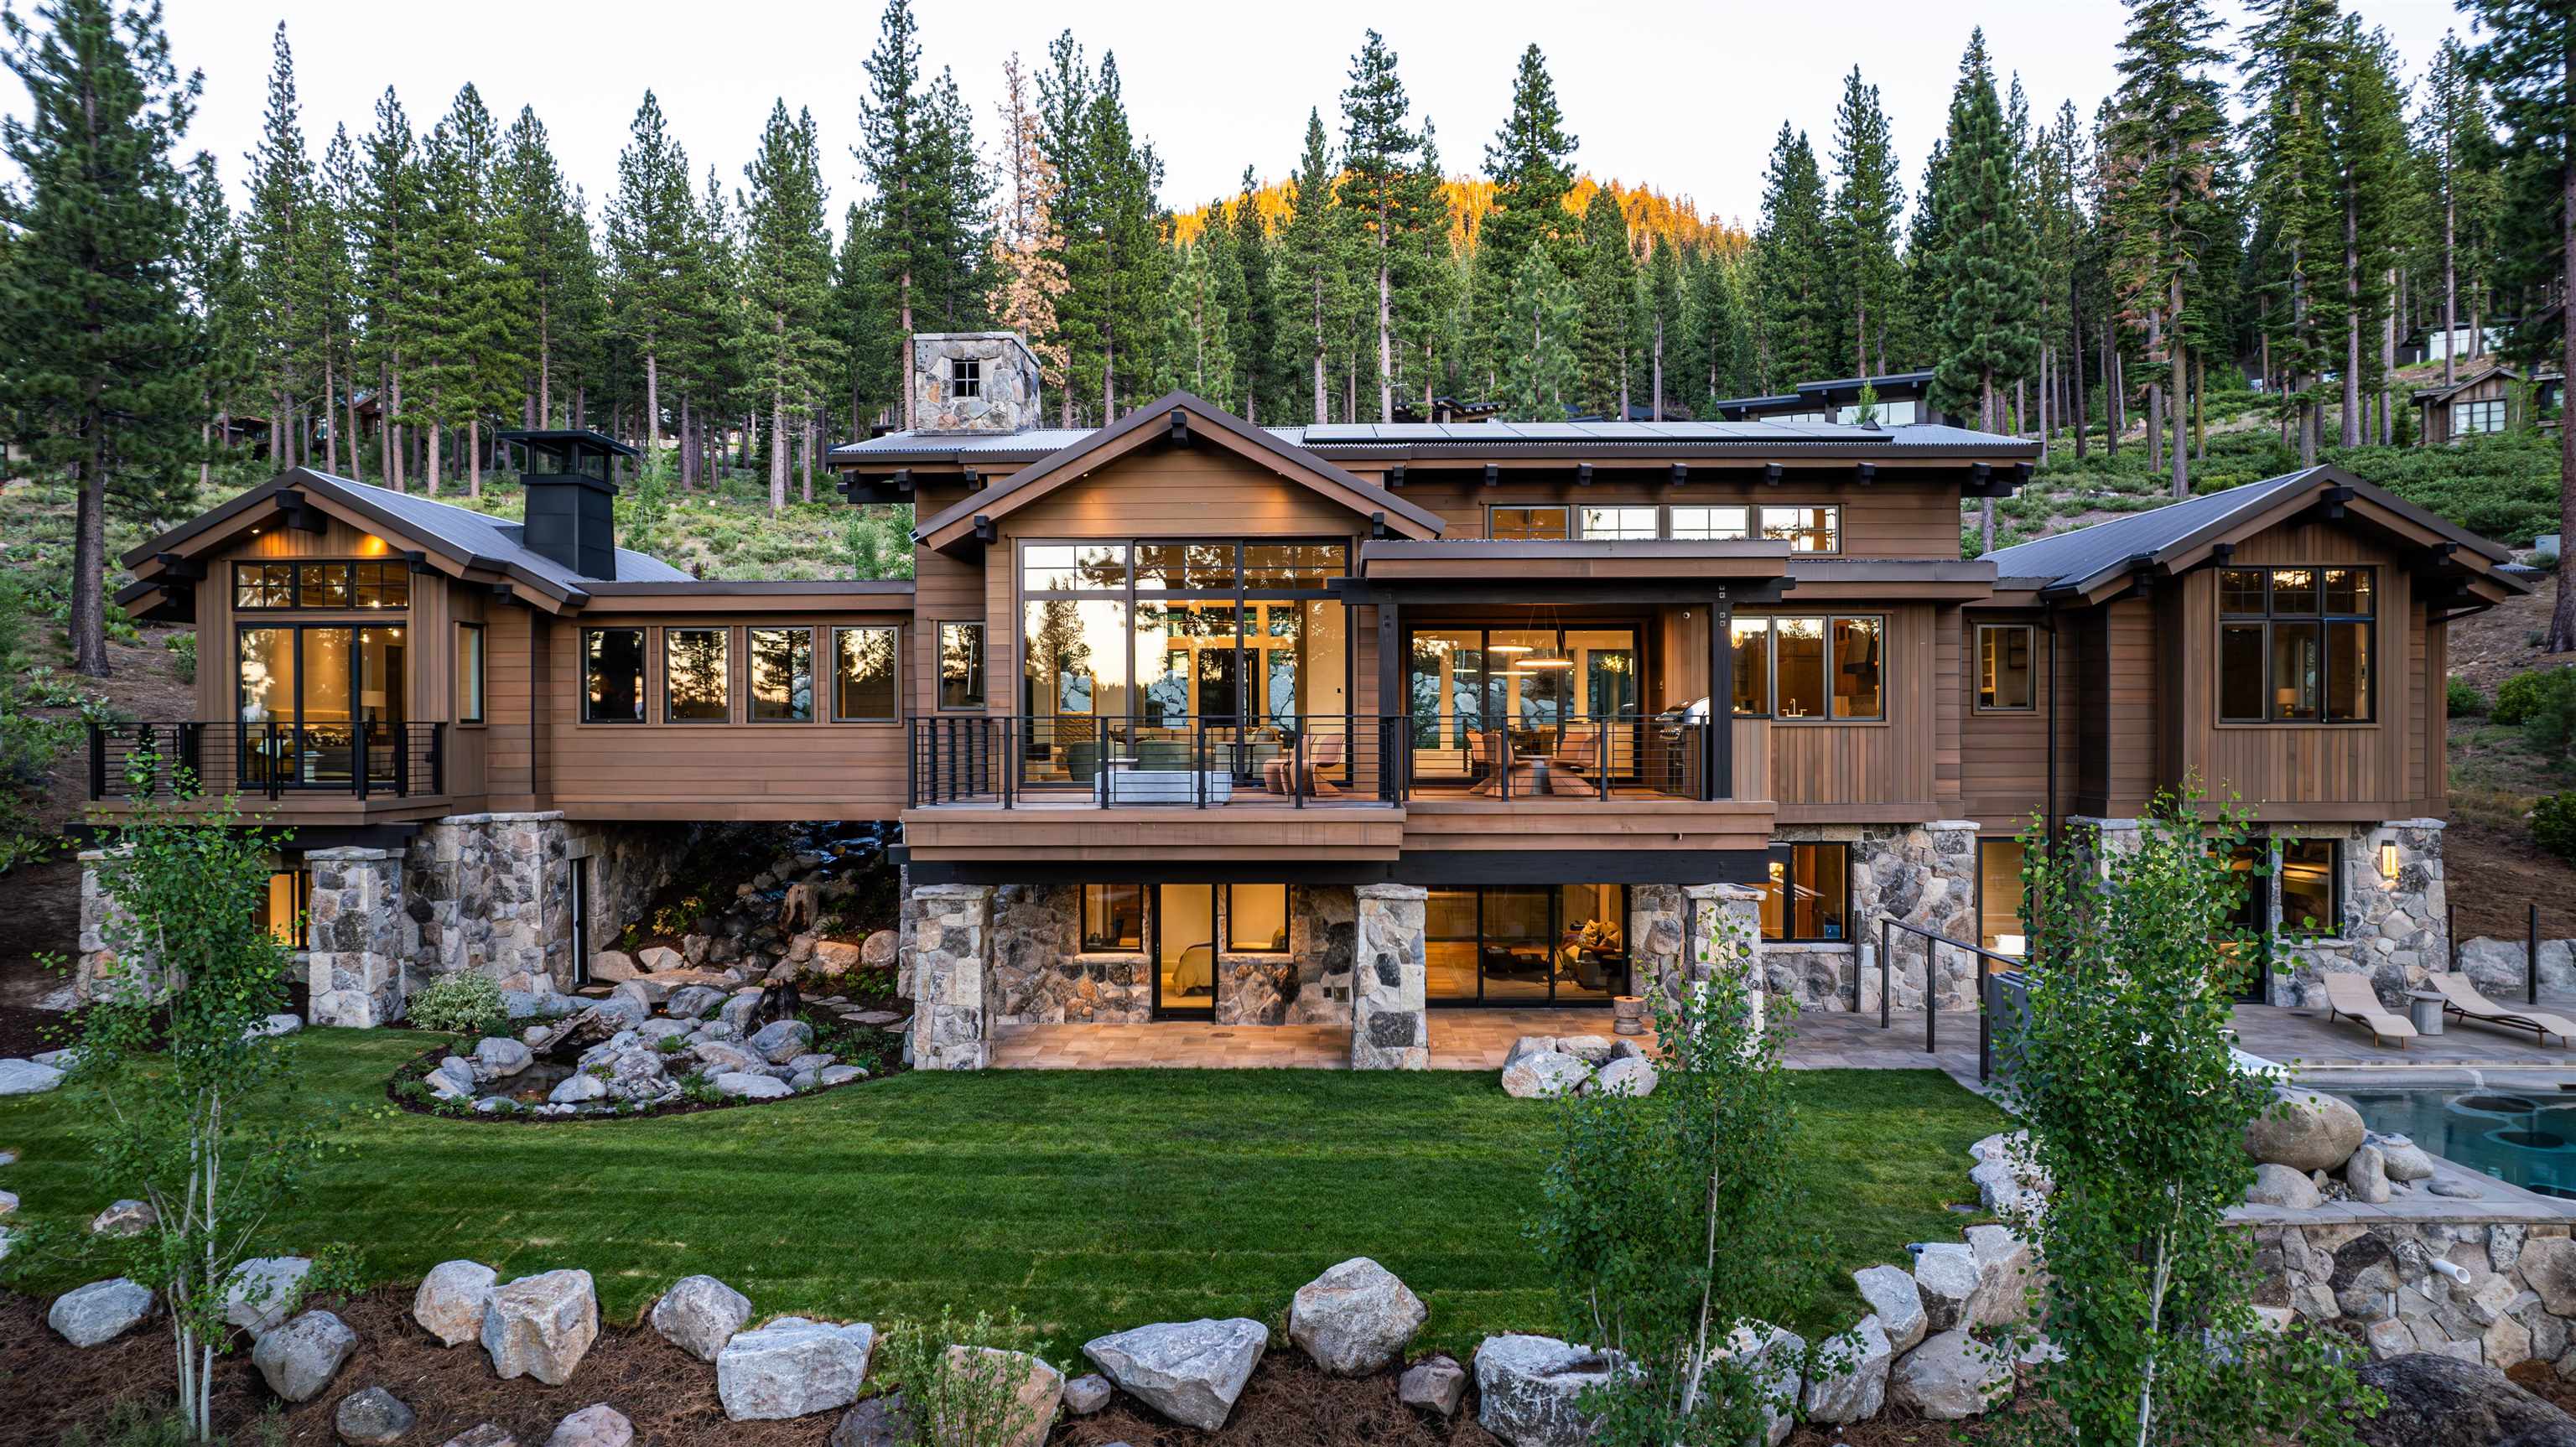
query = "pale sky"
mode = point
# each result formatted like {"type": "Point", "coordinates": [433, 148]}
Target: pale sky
{"type": "Point", "coordinates": [1686, 97]}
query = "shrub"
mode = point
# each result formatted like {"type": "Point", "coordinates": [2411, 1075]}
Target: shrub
{"type": "Point", "coordinates": [2553, 824]}
{"type": "Point", "coordinates": [2543, 704]}
{"type": "Point", "coordinates": [184, 645]}
{"type": "Point", "coordinates": [2465, 698]}
{"type": "Point", "coordinates": [2516, 696]}
{"type": "Point", "coordinates": [960, 1398]}
{"type": "Point", "coordinates": [464, 1003]}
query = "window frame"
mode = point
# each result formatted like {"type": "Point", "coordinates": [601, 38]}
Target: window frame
{"type": "Point", "coordinates": [2331, 927]}
{"type": "Point", "coordinates": [2483, 408]}
{"type": "Point", "coordinates": [1564, 510]}
{"type": "Point", "coordinates": [643, 676]}
{"type": "Point", "coordinates": [1789, 880]}
{"type": "Point", "coordinates": [813, 676]}
{"type": "Point", "coordinates": [1083, 916]}
{"type": "Point", "coordinates": [2030, 669]}
{"type": "Point", "coordinates": [1287, 918]}
{"type": "Point", "coordinates": [1771, 669]}
{"type": "Point", "coordinates": [723, 631]}
{"type": "Point", "coordinates": [976, 676]}
{"type": "Point", "coordinates": [1583, 522]}
{"type": "Point", "coordinates": [473, 665]}
{"type": "Point", "coordinates": [832, 638]}
{"type": "Point", "coordinates": [2323, 621]}
{"type": "Point", "coordinates": [965, 378]}
{"type": "Point", "coordinates": [294, 583]}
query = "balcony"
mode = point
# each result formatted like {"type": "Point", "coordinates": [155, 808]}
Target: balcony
{"type": "Point", "coordinates": [331, 765]}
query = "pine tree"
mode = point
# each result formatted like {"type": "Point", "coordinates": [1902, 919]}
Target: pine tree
{"type": "Point", "coordinates": [1530, 163]}
{"type": "Point", "coordinates": [1028, 246]}
{"type": "Point", "coordinates": [213, 280]}
{"type": "Point", "coordinates": [1378, 154]}
{"type": "Point", "coordinates": [1608, 286]}
{"type": "Point", "coordinates": [102, 350]}
{"type": "Point", "coordinates": [2367, 120]}
{"type": "Point", "coordinates": [385, 227]}
{"type": "Point", "coordinates": [555, 260]}
{"type": "Point", "coordinates": [1794, 318]}
{"type": "Point", "coordinates": [2456, 135]}
{"type": "Point", "coordinates": [917, 156]}
{"type": "Point", "coordinates": [280, 242]}
{"type": "Point", "coordinates": [1926, 252]}
{"type": "Point", "coordinates": [1257, 315]}
{"type": "Point", "coordinates": [1425, 272]}
{"type": "Point", "coordinates": [1199, 356]}
{"type": "Point", "coordinates": [1867, 197]}
{"type": "Point", "coordinates": [649, 223]}
{"type": "Point", "coordinates": [1721, 332]}
{"type": "Point", "coordinates": [2290, 66]}
{"type": "Point", "coordinates": [1540, 368]}
{"type": "Point", "coordinates": [1987, 331]}
{"type": "Point", "coordinates": [1316, 253]}
{"type": "Point", "coordinates": [331, 285]}
{"type": "Point", "coordinates": [787, 265]}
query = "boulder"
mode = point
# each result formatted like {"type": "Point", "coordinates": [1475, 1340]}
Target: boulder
{"type": "Point", "coordinates": [263, 1290]}
{"type": "Point", "coordinates": [880, 1421]}
{"type": "Point", "coordinates": [792, 1367]}
{"type": "Point", "coordinates": [699, 1314]}
{"type": "Point", "coordinates": [2403, 1159]}
{"type": "Point", "coordinates": [1356, 1318]}
{"type": "Point", "coordinates": [1526, 1388]}
{"type": "Point", "coordinates": [1190, 1371]}
{"type": "Point", "coordinates": [1777, 1359]}
{"type": "Point", "coordinates": [1544, 1074]}
{"type": "Point", "coordinates": [608, 967]}
{"type": "Point", "coordinates": [691, 1001]}
{"type": "Point", "coordinates": [541, 1326]}
{"type": "Point", "coordinates": [722, 1057]}
{"type": "Point", "coordinates": [740, 1010]}
{"type": "Point", "coordinates": [743, 1085]}
{"type": "Point", "coordinates": [2005, 1267]}
{"type": "Point", "coordinates": [299, 1359]}
{"type": "Point", "coordinates": [452, 1078]}
{"type": "Point", "coordinates": [26, 1077]}
{"type": "Point", "coordinates": [658, 958]}
{"type": "Point", "coordinates": [1526, 1046]}
{"type": "Point", "coordinates": [2548, 1267]}
{"type": "Point", "coordinates": [486, 1435]}
{"type": "Point", "coordinates": [780, 1041]}
{"type": "Point", "coordinates": [275, 1025]}
{"type": "Point", "coordinates": [125, 1218]}
{"type": "Point", "coordinates": [1036, 1386]}
{"type": "Point", "coordinates": [1087, 1394]}
{"type": "Point", "coordinates": [1851, 1380]}
{"type": "Point", "coordinates": [1897, 1303]}
{"type": "Point", "coordinates": [100, 1312]}
{"type": "Point", "coordinates": [496, 1058]}
{"type": "Point", "coordinates": [2366, 1176]}
{"type": "Point", "coordinates": [1436, 1386]}
{"type": "Point", "coordinates": [1590, 1049]}
{"type": "Point", "coordinates": [1628, 1075]}
{"type": "Point", "coordinates": [2440, 1401]}
{"type": "Point", "coordinates": [450, 1302]}
{"type": "Point", "coordinates": [839, 1075]}
{"type": "Point", "coordinates": [2305, 1130]}
{"type": "Point", "coordinates": [575, 1089]}
{"type": "Point", "coordinates": [1946, 1273]}
{"type": "Point", "coordinates": [2278, 1185]}
{"type": "Point", "coordinates": [1950, 1377]}
{"type": "Point", "coordinates": [638, 998]}
{"type": "Point", "coordinates": [838, 956]}
{"type": "Point", "coordinates": [597, 1425]}
{"type": "Point", "coordinates": [880, 949]}
{"type": "Point", "coordinates": [373, 1418]}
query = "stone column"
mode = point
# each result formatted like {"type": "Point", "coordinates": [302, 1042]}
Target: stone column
{"type": "Point", "coordinates": [99, 972]}
{"type": "Point", "coordinates": [353, 932]}
{"type": "Point", "coordinates": [951, 961]}
{"type": "Point", "coordinates": [1390, 984]}
{"type": "Point", "coordinates": [1722, 917]}
{"type": "Point", "coordinates": [2109, 836]}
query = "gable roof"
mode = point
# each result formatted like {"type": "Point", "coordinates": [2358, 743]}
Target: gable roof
{"type": "Point", "coordinates": [2091, 560]}
{"type": "Point", "coordinates": [2437, 394]}
{"type": "Point", "coordinates": [465, 540]}
{"type": "Point", "coordinates": [1164, 418]}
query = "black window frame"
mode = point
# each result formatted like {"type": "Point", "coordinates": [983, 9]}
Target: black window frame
{"type": "Point", "coordinates": [1564, 509]}
{"type": "Point", "coordinates": [2030, 668]}
{"type": "Point", "coordinates": [965, 378]}
{"type": "Point", "coordinates": [1482, 894]}
{"type": "Point", "coordinates": [974, 678]}
{"type": "Point", "coordinates": [643, 676]}
{"type": "Point", "coordinates": [725, 632]}
{"type": "Point", "coordinates": [1771, 669]}
{"type": "Point", "coordinates": [2323, 620]}
{"type": "Point", "coordinates": [814, 712]}
{"type": "Point", "coordinates": [1788, 851]}
{"type": "Point", "coordinates": [1287, 917]}
{"type": "Point", "coordinates": [894, 662]}
{"type": "Point", "coordinates": [1144, 921]}
{"type": "Point", "coordinates": [289, 573]}
{"type": "Point", "coordinates": [2330, 927]}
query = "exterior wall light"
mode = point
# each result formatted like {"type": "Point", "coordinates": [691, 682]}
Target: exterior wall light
{"type": "Point", "coordinates": [2388, 859]}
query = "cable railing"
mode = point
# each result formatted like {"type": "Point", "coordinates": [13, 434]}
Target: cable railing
{"type": "Point", "coordinates": [1992, 967]}
{"type": "Point", "coordinates": [364, 759]}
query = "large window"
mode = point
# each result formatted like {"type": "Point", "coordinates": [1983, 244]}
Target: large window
{"type": "Point", "coordinates": [300, 691]}
{"type": "Point", "coordinates": [863, 674]}
{"type": "Point", "coordinates": [1113, 918]}
{"type": "Point", "coordinates": [1143, 651]}
{"type": "Point", "coordinates": [2004, 667]}
{"type": "Point", "coordinates": [1823, 666]}
{"type": "Point", "coordinates": [281, 907]}
{"type": "Point", "coordinates": [782, 675]}
{"type": "Point", "coordinates": [469, 673]}
{"type": "Point", "coordinates": [1999, 896]}
{"type": "Point", "coordinates": [2295, 645]}
{"type": "Point", "coordinates": [1527, 944]}
{"type": "Point", "coordinates": [1623, 522]}
{"type": "Point", "coordinates": [355, 585]}
{"type": "Point", "coordinates": [2310, 901]}
{"type": "Point", "coordinates": [612, 665]}
{"type": "Point", "coordinates": [2470, 418]}
{"type": "Point", "coordinates": [961, 665]}
{"type": "Point", "coordinates": [1527, 524]}
{"type": "Point", "coordinates": [1551, 700]}
{"type": "Point", "coordinates": [1807, 896]}
{"type": "Point", "coordinates": [697, 677]}
{"type": "Point", "coordinates": [1256, 918]}
{"type": "Point", "coordinates": [1807, 528]}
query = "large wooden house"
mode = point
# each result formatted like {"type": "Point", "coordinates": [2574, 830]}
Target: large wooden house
{"type": "Point", "coordinates": [1184, 717]}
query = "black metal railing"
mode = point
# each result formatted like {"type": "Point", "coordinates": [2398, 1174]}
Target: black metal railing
{"type": "Point", "coordinates": [1991, 965]}
{"type": "Point", "coordinates": [1014, 761]}
{"type": "Point", "coordinates": [272, 760]}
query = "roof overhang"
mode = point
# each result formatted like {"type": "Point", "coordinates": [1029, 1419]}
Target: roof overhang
{"type": "Point", "coordinates": [824, 595]}
{"type": "Point", "coordinates": [1176, 420]}
{"type": "Point", "coordinates": [1580, 570]}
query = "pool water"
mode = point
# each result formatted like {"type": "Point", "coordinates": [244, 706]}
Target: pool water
{"type": "Point", "coordinates": [2525, 1135]}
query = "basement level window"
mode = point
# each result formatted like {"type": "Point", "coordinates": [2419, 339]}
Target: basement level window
{"type": "Point", "coordinates": [965, 377]}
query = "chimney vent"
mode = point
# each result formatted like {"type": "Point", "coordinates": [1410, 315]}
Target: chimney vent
{"type": "Point", "coordinates": [972, 382]}
{"type": "Point", "coordinates": [570, 518]}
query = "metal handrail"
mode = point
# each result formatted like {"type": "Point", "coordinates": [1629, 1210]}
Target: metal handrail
{"type": "Point", "coordinates": [1933, 942]}
{"type": "Point", "coordinates": [362, 758]}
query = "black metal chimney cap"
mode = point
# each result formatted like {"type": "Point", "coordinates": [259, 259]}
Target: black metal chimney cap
{"type": "Point", "coordinates": [560, 453]}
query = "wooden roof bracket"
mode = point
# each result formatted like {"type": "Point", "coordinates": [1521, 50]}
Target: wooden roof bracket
{"type": "Point", "coordinates": [1866, 473]}
{"type": "Point", "coordinates": [1681, 473]}
{"type": "Point", "coordinates": [1493, 475]}
{"type": "Point", "coordinates": [1771, 474]}
{"type": "Point", "coordinates": [301, 514]}
{"type": "Point", "coordinates": [1180, 428]}
{"type": "Point", "coordinates": [420, 563]}
{"type": "Point", "coordinates": [984, 532]}
{"type": "Point", "coordinates": [176, 568]}
{"type": "Point", "coordinates": [1378, 530]}
{"type": "Point", "coordinates": [1583, 474]}
{"type": "Point", "coordinates": [1395, 477]}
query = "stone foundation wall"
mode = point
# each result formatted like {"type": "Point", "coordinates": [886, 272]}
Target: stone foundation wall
{"type": "Point", "coordinates": [493, 892]}
{"type": "Point", "coordinates": [952, 976]}
{"type": "Point", "coordinates": [2396, 931]}
{"type": "Point", "coordinates": [358, 940]}
{"type": "Point", "coordinates": [1923, 875]}
{"type": "Point", "coordinates": [1389, 1029]}
{"type": "Point", "coordinates": [2509, 1296]}
{"type": "Point", "coordinates": [1042, 977]}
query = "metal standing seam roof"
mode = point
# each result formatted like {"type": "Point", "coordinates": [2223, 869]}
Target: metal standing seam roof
{"type": "Point", "coordinates": [1500, 438]}
{"type": "Point", "coordinates": [481, 535]}
{"type": "Point", "coordinates": [2072, 556]}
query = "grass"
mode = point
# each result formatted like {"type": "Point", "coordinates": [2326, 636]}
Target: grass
{"type": "Point", "coordinates": [1091, 1202]}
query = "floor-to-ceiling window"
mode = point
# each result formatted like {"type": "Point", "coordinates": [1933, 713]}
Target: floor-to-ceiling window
{"type": "Point", "coordinates": [301, 690]}
{"type": "Point", "coordinates": [1560, 703]}
{"type": "Point", "coordinates": [1184, 949]}
{"type": "Point", "coordinates": [1216, 654]}
{"type": "Point", "coordinates": [1527, 944]}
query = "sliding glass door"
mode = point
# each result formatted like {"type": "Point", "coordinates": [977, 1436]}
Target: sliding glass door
{"type": "Point", "coordinates": [302, 690]}
{"type": "Point", "coordinates": [1527, 945]}
{"type": "Point", "coordinates": [1560, 702]}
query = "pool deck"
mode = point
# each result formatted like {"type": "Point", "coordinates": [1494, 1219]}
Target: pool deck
{"type": "Point", "coordinates": [2306, 1041]}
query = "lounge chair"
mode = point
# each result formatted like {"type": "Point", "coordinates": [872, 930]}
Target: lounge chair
{"type": "Point", "coordinates": [2350, 995]}
{"type": "Point", "coordinates": [2461, 998]}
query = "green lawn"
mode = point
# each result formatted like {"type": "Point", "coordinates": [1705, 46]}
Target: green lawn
{"type": "Point", "coordinates": [1089, 1201]}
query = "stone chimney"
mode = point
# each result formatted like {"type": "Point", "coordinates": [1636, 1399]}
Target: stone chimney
{"type": "Point", "coordinates": [971, 382]}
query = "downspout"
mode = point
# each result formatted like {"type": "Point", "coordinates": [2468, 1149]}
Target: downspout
{"type": "Point", "coordinates": [2050, 825]}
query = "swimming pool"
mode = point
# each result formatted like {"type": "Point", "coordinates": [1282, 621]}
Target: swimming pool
{"type": "Point", "coordinates": [2522, 1134]}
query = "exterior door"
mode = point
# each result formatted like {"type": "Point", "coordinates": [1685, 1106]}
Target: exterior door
{"type": "Point", "coordinates": [580, 921]}
{"type": "Point", "coordinates": [1184, 954]}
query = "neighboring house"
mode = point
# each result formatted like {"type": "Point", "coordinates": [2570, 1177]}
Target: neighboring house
{"type": "Point", "coordinates": [1341, 724]}
{"type": "Point", "coordinates": [1903, 398]}
{"type": "Point", "coordinates": [2488, 400]}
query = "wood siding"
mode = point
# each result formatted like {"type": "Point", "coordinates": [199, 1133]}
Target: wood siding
{"type": "Point", "coordinates": [1869, 771]}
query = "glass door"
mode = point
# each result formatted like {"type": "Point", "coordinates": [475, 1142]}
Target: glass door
{"type": "Point", "coordinates": [1527, 945]}
{"type": "Point", "coordinates": [1185, 965]}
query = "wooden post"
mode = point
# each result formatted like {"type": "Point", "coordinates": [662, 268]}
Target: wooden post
{"type": "Point", "coordinates": [1720, 749]}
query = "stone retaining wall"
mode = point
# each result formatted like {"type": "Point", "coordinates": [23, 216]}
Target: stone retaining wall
{"type": "Point", "coordinates": [2503, 1293]}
